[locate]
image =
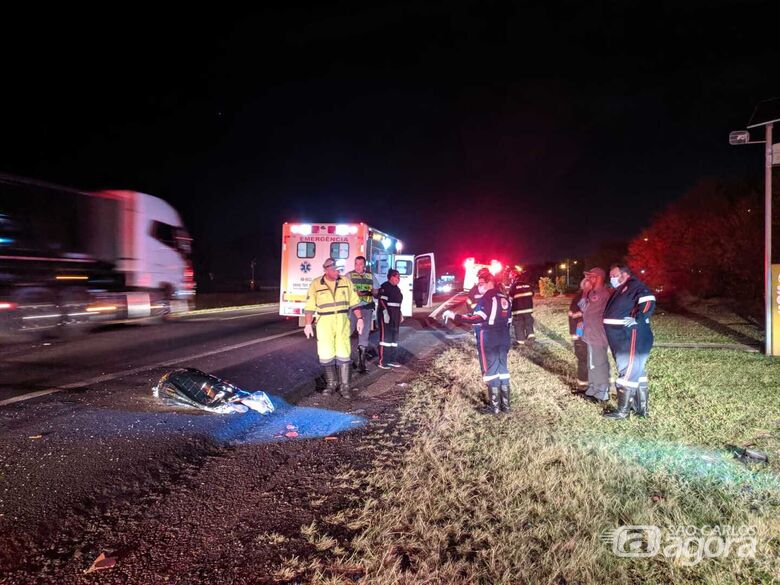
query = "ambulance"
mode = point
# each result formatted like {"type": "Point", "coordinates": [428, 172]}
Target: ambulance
{"type": "Point", "coordinates": [305, 247]}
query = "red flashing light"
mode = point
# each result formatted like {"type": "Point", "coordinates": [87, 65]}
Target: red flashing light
{"type": "Point", "coordinates": [496, 267]}
{"type": "Point", "coordinates": [468, 262]}
{"type": "Point", "coordinates": [7, 305]}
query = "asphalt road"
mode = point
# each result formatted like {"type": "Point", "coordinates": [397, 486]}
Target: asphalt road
{"type": "Point", "coordinates": [79, 426]}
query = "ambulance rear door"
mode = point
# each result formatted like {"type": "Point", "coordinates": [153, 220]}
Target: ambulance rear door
{"type": "Point", "coordinates": [424, 279]}
{"type": "Point", "coordinates": [404, 264]}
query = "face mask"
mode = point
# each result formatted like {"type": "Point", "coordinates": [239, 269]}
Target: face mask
{"type": "Point", "coordinates": [614, 281]}
{"type": "Point", "coordinates": [482, 288]}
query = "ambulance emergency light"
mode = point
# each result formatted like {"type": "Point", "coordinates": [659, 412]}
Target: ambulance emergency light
{"type": "Point", "coordinates": [305, 229]}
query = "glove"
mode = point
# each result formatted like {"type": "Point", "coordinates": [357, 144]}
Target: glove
{"type": "Point", "coordinates": [308, 331]}
{"type": "Point", "coordinates": [359, 326]}
{"type": "Point", "coordinates": [386, 316]}
{"type": "Point", "coordinates": [629, 321]}
{"type": "Point", "coordinates": [448, 314]}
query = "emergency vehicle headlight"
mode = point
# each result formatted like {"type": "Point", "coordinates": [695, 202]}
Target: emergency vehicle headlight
{"type": "Point", "coordinates": [387, 242]}
{"type": "Point", "coordinates": [352, 230]}
{"type": "Point", "coordinates": [342, 230]}
{"type": "Point", "coordinates": [399, 246]}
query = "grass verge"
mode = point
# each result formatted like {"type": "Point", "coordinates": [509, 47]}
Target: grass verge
{"type": "Point", "coordinates": [526, 498]}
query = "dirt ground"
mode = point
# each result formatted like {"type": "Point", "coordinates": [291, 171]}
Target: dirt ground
{"type": "Point", "coordinates": [247, 512]}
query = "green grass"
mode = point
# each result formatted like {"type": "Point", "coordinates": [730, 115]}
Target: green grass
{"type": "Point", "coordinates": [524, 498]}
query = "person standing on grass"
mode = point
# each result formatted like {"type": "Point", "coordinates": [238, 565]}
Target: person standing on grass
{"type": "Point", "coordinates": [389, 319]}
{"type": "Point", "coordinates": [493, 315]}
{"type": "Point", "coordinates": [522, 296]}
{"type": "Point", "coordinates": [627, 324]}
{"type": "Point", "coordinates": [575, 330]}
{"type": "Point", "coordinates": [472, 300]}
{"type": "Point", "coordinates": [592, 307]}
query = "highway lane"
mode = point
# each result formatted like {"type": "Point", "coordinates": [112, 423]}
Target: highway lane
{"type": "Point", "coordinates": [99, 433]}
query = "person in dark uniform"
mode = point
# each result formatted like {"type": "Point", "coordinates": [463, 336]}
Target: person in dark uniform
{"type": "Point", "coordinates": [522, 297]}
{"type": "Point", "coordinates": [389, 319]}
{"type": "Point", "coordinates": [627, 323]}
{"type": "Point", "coordinates": [576, 331]}
{"type": "Point", "coordinates": [473, 298]}
{"type": "Point", "coordinates": [493, 314]}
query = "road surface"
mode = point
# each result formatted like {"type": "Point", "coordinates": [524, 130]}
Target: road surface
{"type": "Point", "coordinates": [80, 432]}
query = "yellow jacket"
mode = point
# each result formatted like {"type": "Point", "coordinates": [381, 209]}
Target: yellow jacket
{"type": "Point", "coordinates": [326, 301]}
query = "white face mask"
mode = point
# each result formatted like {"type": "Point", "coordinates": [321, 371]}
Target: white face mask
{"type": "Point", "coordinates": [482, 289]}
{"type": "Point", "coordinates": [614, 281]}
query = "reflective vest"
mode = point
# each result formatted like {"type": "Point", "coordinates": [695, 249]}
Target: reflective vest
{"type": "Point", "coordinates": [326, 301]}
{"type": "Point", "coordinates": [363, 282]}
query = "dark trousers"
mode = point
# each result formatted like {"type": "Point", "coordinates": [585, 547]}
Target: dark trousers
{"type": "Point", "coordinates": [631, 347]}
{"type": "Point", "coordinates": [581, 353]}
{"type": "Point", "coordinates": [524, 326]}
{"type": "Point", "coordinates": [388, 334]}
{"type": "Point", "coordinates": [598, 366]}
{"type": "Point", "coordinates": [492, 347]}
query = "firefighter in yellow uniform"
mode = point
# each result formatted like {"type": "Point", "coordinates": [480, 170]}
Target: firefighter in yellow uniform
{"type": "Point", "coordinates": [331, 297]}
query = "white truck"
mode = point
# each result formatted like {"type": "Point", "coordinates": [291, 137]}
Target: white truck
{"type": "Point", "coordinates": [306, 246]}
{"type": "Point", "coordinates": [70, 259]}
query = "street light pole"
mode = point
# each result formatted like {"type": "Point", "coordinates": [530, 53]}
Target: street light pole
{"type": "Point", "coordinates": [768, 237]}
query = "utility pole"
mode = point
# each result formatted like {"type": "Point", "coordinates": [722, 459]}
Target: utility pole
{"type": "Point", "coordinates": [765, 114]}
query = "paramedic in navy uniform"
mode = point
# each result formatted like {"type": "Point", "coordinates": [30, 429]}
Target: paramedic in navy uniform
{"type": "Point", "coordinates": [493, 315]}
{"type": "Point", "coordinates": [627, 323]}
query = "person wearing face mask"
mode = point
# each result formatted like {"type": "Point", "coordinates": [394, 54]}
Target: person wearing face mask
{"type": "Point", "coordinates": [493, 315]}
{"type": "Point", "coordinates": [522, 296]}
{"type": "Point", "coordinates": [389, 318]}
{"type": "Point", "coordinates": [627, 325]}
{"type": "Point", "coordinates": [593, 335]}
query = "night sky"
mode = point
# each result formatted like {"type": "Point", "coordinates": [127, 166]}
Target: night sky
{"type": "Point", "coordinates": [526, 131]}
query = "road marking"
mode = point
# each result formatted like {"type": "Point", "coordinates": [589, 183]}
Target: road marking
{"type": "Point", "coordinates": [138, 370]}
{"type": "Point", "coordinates": [226, 309]}
{"type": "Point", "coordinates": [211, 318]}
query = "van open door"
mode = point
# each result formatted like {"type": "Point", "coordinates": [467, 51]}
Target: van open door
{"type": "Point", "coordinates": [424, 280]}
{"type": "Point", "coordinates": [404, 264]}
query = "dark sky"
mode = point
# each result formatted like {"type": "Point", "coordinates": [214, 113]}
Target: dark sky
{"type": "Point", "coordinates": [521, 130]}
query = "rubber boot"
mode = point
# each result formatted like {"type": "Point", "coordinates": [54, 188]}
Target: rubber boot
{"type": "Point", "coordinates": [331, 381]}
{"type": "Point", "coordinates": [640, 400]}
{"type": "Point", "coordinates": [505, 395]}
{"type": "Point", "coordinates": [344, 371]}
{"type": "Point", "coordinates": [494, 407]}
{"type": "Point", "coordinates": [625, 403]}
{"type": "Point", "coordinates": [362, 360]}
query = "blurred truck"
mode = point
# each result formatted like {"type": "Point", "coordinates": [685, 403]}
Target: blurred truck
{"type": "Point", "coordinates": [71, 259]}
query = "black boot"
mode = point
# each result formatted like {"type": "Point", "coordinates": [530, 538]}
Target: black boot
{"type": "Point", "coordinates": [504, 391]}
{"type": "Point", "coordinates": [625, 403]}
{"type": "Point", "coordinates": [362, 360]}
{"type": "Point", "coordinates": [494, 406]}
{"type": "Point", "coordinates": [344, 371]}
{"type": "Point", "coordinates": [641, 396]}
{"type": "Point", "coordinates": [331, 381]}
